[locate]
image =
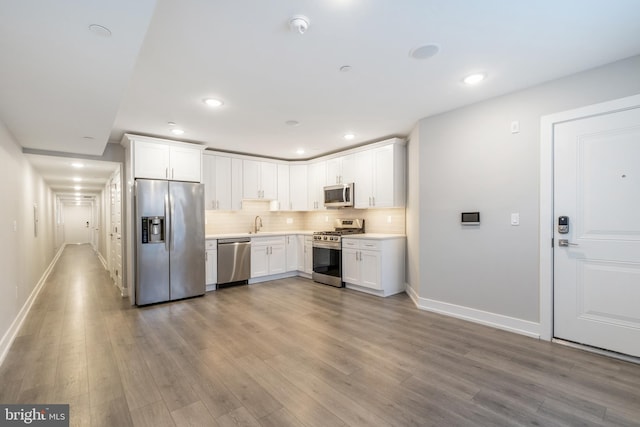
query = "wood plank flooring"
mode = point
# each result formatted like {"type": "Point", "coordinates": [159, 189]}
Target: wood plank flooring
{"type": "Point", "coordinates": [295, 353]}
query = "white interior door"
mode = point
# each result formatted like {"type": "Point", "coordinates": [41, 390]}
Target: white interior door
{"type": "Point", "coordinates": [77, 223]}
{"type": "Point", "coordinates": [115, 234]}
{"type": "Point", "coordinates": [597, 270]}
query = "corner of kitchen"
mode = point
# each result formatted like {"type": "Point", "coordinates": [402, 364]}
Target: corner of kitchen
{"type": "Point", "coordinates": [205, 220]}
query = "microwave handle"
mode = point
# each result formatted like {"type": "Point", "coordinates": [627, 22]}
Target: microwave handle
{"type": "Point", "coordinates": [344, 193]}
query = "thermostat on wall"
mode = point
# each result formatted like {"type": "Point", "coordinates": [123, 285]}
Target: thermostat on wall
{"type": "Point", "coordinates": [470, 218]}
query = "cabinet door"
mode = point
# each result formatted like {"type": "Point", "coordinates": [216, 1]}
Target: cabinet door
{"type": "Point", "coordinates": [259, 261]}
{"type": "Point", "coordinates": [298, 188]}
{"type": "Point", "coordinates": [251, 179]}
{"type": "Point", "coordinates": [292, 253]}
{"type": "Point", "coordinates": [277, 259]}
{"type": "Point", "coordinates": [209, 179]}
{"type": "Point", "coordinates": [334, 171]}
{"type": "Point", "coordinates": [348, 169]}
{"type": "Point", "coordinates": [282, 200]}
{"type": "Point", "coordinates": [185, 163]}
{"type": "Point", "coordinates": [236, 184]}
{"type": "Point", "coordinates": [301, 253]}
{"type": "Point", "coordinates": [383, 177]}
{"type": "Point", "coordinates": [362, 179]}
{"type": "Point", "coordinates": [211, 267]}
{"type": "Point", "coordinates": [151, 160]}
{"type": "Point", "coordinates": [317, 181]}
{"type": "Point", "coordinates": [222, 179]}
{"type": "Point", "coordinates": [370, 269]}
{"type": "Point", "coordinates": [308, 255]}
{"type": "Point", "coordinates": [350, 266]}
{"type": "Point", "coordinates": [269, 180]}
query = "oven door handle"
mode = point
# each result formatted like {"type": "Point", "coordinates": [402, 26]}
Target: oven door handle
{"type": "Point", "coordinates": [333, 246]}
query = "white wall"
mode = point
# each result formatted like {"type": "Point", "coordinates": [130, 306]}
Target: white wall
{"type": "Point", "coordinates": [23, 256]}
{"type": "Point", "coordinates": [470, 161]}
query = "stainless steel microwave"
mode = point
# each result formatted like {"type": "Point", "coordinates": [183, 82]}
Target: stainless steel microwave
{"type": "Point", "coordinates": [338, 196]}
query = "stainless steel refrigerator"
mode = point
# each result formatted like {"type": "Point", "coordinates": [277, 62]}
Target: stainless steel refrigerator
{"type": "Point", "coordinates": [170, 247]}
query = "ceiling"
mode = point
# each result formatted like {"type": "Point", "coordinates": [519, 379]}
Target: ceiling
{"type": "Point", "coordinates": [68, 89]}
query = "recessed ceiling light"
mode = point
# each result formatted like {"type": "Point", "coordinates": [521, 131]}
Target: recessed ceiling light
{"type": "Point", "coordinates": [424, 52]}
{"type": "Point", "coordinates": [300, 151]}
{"type": "Point", "coordinates": [177, 131]}
{"type": "Point", "coordinates": [349, 136]}
{"type": "Point", "coordinates": [292, 123]}
{"type": "Point", "coordinates": [474, 78]}
{"type": "Point", "coordinates": [212, 102]}
{"type": "Point", "coordinates": [77, 187]}
{"type": "Point", "coordinates": [100, 30]}
{"type": "Point", "coordinates": [77, 179]}
{"type": "Point", "coordinates": [77, 194]}
{"type": "Point", "coordinates": [77, 165]}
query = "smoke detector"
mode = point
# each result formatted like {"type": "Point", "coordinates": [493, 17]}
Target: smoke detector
{"type": "Point", "coordinates": [299, 23]}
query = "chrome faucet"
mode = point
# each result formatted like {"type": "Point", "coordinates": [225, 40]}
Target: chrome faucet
{"type": "Point", "coordinates": [257, 227]}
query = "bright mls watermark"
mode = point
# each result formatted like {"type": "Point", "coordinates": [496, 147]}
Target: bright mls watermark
{"type": "Point", "coordinates": [34, 415]}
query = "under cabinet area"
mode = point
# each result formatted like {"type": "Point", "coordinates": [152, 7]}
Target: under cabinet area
{"type": "Point", "coordinates": [374, 266]}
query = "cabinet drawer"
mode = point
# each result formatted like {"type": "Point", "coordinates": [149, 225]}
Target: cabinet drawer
{"type": "Point", "coordinates": [268, 241]}
{"type": "Point", "coordinates": [373, 245]}
{"type": "Point", "coordinates": [350, 243]}
{"type": "Point", "coordinates": [211, 244]}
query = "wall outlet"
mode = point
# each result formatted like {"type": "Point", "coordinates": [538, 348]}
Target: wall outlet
{"type": "Point", "coordinates": [389, 219]}
{"type": "Point", "coordinates": [289, 220]}
{"type": "Point", "coordinates": [326, 218]}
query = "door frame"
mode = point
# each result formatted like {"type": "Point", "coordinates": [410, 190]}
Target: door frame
{"type": "Point", "coordinates": [546, 233]}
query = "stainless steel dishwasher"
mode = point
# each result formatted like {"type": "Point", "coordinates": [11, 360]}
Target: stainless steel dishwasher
{"type": "Point", "coordinates": [234, 260]}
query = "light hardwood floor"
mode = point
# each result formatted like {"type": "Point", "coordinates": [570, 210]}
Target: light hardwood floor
{"type": "Point", "coordinates": [294, 353]}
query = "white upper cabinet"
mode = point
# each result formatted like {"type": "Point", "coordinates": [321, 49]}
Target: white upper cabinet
{"type": "Point", "coordinates": [317, 174]}
{"type": "Point", "coordinates": [379, 180]}
{"type": "Point", "coordinates": [260, 180]}
{"type": "Point", "coordinates": [166, 160]}
{"type": "Point", "coordinates": [281, 203]}
{"type": "Point", "coordinates": [298, 188]}
{"type": "Point", "coordinates": [217, 179]}
{"type": "Point", "coordinates": [340, 170]}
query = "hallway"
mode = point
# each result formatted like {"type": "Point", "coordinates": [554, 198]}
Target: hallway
{"type": "Point", "coordinates": [291, 352]}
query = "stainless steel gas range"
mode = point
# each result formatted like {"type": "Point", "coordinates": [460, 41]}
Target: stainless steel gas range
{"type": "Point", "coordinates": [327, 251]}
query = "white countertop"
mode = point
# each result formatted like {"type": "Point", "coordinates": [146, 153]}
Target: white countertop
{"type": "Point", "coordinates": [259, 234]}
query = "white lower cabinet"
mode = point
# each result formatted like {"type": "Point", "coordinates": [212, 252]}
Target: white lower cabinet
{"type": "Point", "coordinates": [292, 252]}
{"type": "Point", "coordinates": [308, 255]}
{"type": "Point", "coordinates": [268, 256]}
{"type": "Point", "coordinates": [211, 263]}
{"type": "Point", "coordinates": [374, 266]}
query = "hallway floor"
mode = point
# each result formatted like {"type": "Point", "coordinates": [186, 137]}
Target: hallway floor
{"type": "Point", "coordinates": [294, 353]}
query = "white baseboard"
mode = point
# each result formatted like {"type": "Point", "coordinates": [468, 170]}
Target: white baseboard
{"type": "Point", "coordinates": [273, 277]}
{"type": "Point", "coordinates": [102, 260]}
{"type": "Point", "coordinates": [499, 321]}
{"type": "Point", "coordinates": [10, 335]}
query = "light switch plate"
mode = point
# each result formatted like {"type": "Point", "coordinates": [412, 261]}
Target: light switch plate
{"type": "Point", "coordinates": [515, 126]}
{"type": "Point", "coordinates": [515, 218]}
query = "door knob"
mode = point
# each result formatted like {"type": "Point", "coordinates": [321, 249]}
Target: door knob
{"type": "Point", "coordinates": [566, 243]}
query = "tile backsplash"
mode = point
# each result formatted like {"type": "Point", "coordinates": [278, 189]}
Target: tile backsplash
{"type": "Point", "coordinates": [390, 221]}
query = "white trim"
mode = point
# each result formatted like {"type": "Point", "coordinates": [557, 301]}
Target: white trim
{"type": "Point", "coordinates": [10, 335]}
{"type": "Point", "coordinates": [547, 124]}
{"type": "Point", "coordinates": [273, 277]}
{"type": "Point", "coordinates": [102, 260]}
{"type": "Point", "coordinates": [511, 324]}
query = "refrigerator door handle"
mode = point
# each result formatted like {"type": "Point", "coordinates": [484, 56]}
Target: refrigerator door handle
{"type": "Point", "coordinates": [166, 222]}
